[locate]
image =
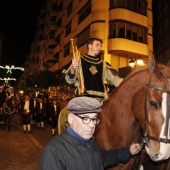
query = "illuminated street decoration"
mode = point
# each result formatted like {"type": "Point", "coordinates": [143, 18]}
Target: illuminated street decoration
{"type": "Point", "coordinates": [9, 69]}
{"type": "Point", "coordinates": [6, 85]}
{"type": "Point", "coordinates": [7, 79]}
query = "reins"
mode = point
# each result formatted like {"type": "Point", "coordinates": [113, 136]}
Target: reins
{"type": "Point", "coordinates": [146, 135]}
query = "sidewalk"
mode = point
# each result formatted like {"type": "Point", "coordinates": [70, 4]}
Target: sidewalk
{"type": "Point", "coordinates": [22, 151]}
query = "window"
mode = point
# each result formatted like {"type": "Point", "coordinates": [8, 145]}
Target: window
{"type": "Point", "coordinates": [121, 30]}
{"type": "Point", "coordinates": [128, 31]}
{"type": "Point", "coordinates": [134, 7]}
{"type": "Point", "coordinates": [59, 22]}
{"type": "Point", "coordinates": [140, 35]}
{"type": "Point", "coordinates": [142, 7]}
{"type": "Point", "coordinates": [129, 5]}
{"type": "Point", "coordinates": [54, 6]}
{"type": "Point", "coordinates": [83, 37]}
{"type": "Point", "coordinates": [134, 34]}
{"type": "Point", "coordinates": [84, 12]}
{"type": "Point", "coordinates": [69, 8]}
{"type": "Point", "coordinates": [121, 4]}
{"type": "Point", "coordinates": [113, 4]}
{"type": "Point", "coordinates": [57, 39]}
{"type": "Point", "coordinates": [68, 28]}
{"type": "Point", "coordinates": [67, 49]}
{"type": "Point", "coordinates": [57, 56]}
{"type": "Point", "coordinates": [112, 30]}
{"type": "Point", "coordinates": [53, 19]}
{"type": "Point", "coordinates": [52, 35]}
{"type": "Point", "coordinates": [60, 6]}
{"type": "Point", "coordinates": [138, 6]}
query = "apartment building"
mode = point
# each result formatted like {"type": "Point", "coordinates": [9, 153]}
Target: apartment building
{"type": "Point", "coordinates": [124, 26]}
{"type": "Point", "coordinates": [161, 30]}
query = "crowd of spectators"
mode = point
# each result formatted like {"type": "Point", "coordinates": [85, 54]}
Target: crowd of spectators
{"type": "Point", "coordinates": [34, 110]}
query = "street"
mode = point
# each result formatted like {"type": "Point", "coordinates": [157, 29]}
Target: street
{"type": "Point", "coordinates": [22, 151]}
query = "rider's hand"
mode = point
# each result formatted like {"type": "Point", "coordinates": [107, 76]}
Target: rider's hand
{"type": "Point", "coordinates": [74, 65]}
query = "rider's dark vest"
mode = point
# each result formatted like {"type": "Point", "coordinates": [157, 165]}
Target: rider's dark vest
{"type": "Point", "coordinates": [93, 76]}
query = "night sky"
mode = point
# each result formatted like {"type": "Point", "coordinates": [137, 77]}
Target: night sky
{"type": "Point", "coordinates": [18, 24]}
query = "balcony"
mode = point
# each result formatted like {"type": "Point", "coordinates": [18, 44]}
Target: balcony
{"type": "Point", "coordinates": [124, 47]}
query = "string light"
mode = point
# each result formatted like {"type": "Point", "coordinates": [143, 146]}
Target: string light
{"type": "Point", "coordinates": [9, 69]}
{"type": "Point", "coordinates": [7, 79]}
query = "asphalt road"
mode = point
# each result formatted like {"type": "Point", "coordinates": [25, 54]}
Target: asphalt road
{"type": "Point", "coordinates": [22, 151]}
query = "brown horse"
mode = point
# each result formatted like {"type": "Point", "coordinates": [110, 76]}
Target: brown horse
{"type": "Point", "coordinates": [139, 111]}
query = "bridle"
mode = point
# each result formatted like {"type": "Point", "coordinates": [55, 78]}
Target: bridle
{"type": "Point", "coordinates": [146, 135]}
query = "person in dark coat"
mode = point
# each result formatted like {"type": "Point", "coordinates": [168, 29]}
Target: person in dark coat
{"type": "Point", "coordinates": [54, 111]}
{"type": "Point", "coordinates": [34, 110]}
{"type": "Point", "coordinates": [76, 148]}
{"type": "Point", "coordinates": [41, 111]}
{"type": "Point", "coordinates": [26, 113]}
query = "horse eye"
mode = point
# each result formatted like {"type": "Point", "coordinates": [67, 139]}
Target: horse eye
{"type": "Point", "coordinates": [153, 104]}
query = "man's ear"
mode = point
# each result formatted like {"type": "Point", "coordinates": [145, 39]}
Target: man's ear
{"type": "Point", "coordinates": [89, 46]}
{"type": "Point", "coordinates": [70, 118]}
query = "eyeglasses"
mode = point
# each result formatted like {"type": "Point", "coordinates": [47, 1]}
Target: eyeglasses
{"type": "Point", "coordinates": [87, 120]}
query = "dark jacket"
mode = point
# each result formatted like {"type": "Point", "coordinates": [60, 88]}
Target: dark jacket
{"type": "Point", "coordinates": [64, 152]}
{"type": "Point", "coordinates": [52, 112]}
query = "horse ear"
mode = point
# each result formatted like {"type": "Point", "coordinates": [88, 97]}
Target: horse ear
{"type": "Point", "coordinates": [152, 64]}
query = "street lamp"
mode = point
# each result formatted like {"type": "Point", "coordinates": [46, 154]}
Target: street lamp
{"type": "Point", "coordinates": [132, 63]}
{"type": "Point", "coordinates": [139, 61]}
{"type": "Point", "coordinates": [21, 92]}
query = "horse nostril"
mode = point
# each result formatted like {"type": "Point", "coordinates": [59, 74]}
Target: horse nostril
{"type": "Point", "coordinates": [156, 156]}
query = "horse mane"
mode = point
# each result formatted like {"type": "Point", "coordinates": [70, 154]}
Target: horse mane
{"type": "Point", "coordinates": [159, 67]}
{"type": "Point", "coordinates": [134, 72]}
{"type": "Point", "coordinates": [128, 76]}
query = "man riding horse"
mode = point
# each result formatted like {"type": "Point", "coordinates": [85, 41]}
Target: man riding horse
{"type": "Point", "coordinates": [89, 73]}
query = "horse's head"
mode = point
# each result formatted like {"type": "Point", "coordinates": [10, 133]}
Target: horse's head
{"type": "Point", "coordinates": [157, 112]}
